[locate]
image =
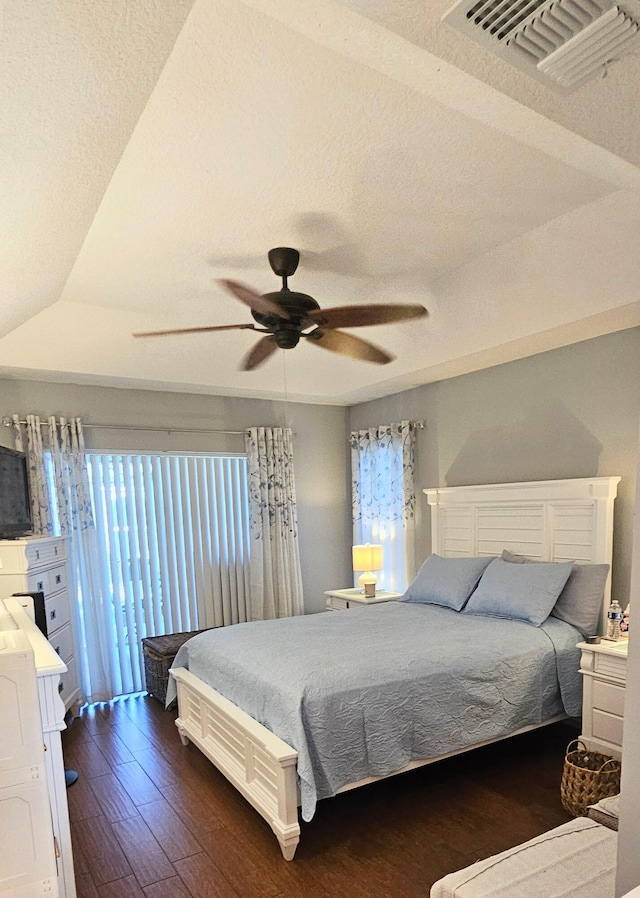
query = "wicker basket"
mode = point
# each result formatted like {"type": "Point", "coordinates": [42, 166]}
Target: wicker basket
{"type": "Point", "coordinates": [587, 776]}
{"type": "Point", "coordinates": [159, 653]}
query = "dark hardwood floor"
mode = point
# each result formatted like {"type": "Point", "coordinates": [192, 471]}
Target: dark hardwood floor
{"type": "Point", "coordinates": [151, 818]}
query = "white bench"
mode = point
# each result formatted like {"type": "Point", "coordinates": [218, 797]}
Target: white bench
{"type": "Point", "coordinates": [575, 860]}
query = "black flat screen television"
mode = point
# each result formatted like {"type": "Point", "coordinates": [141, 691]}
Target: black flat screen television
{"type": "Point", "coordinates": [15, 501]}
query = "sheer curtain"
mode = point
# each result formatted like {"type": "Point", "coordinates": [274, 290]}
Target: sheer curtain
{"type": "Point", "coordinates": [384, 498]}
{"type": "Point", "coordinates": [276, 579]}
{"type": "Point", "coordinates": [61, 504]}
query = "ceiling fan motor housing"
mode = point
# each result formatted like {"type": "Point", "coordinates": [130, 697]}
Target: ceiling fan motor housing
{"type": "Point", "coordinates": [287, 331]}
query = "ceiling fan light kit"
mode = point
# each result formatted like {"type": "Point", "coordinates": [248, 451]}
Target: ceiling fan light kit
{"type": "Point", "coordinates": [286, 316]}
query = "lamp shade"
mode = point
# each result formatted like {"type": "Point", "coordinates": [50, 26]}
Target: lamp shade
{"type": "Point", "coordinates": [367, 558]}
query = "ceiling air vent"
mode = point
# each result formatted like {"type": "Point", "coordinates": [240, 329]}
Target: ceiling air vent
{"type": "Point", "coordinates": [561, 43]}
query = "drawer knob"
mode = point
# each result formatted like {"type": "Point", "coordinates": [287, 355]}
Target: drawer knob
{"type": "Point", "coordinates": [55, 550]}
{"type": "Point", "coordinates": [52, 614]}
{"type": "Point", "coordinates": [40, 585]}
{"type": "Point", "coordinates": [60, 686]}
{"type": "Point", "coordinates": [37, 554]}
{"type": "Point", "coordinates": [58, 578]}
{"type": "Point", "coordinates": [57, 648]}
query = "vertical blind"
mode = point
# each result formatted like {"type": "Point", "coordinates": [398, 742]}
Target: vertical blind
{"type": "Point", "coordinates": [173, 533]}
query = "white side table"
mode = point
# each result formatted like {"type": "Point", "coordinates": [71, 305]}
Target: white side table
{"type": "Point", "coordinates": [344, 599]}
{"type": "Point", "coordinates": [604, 670]}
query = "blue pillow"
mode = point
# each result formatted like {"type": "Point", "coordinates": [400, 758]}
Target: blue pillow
{"type": "Point", "coordinates": [446, 581]}
{"type": "Point", "coordinates": [580, 602]}
{"type": "Point", "coordinates": [519, 591]}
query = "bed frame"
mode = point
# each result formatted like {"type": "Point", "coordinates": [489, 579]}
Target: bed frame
{"type": "Point", "coordinates": [553, 520]}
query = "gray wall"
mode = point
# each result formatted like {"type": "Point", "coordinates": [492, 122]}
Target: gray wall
{"type": "Point", "coordinates": [570, 412]}
{"type": "Point", "coordinates": [628, 869]}
{"type": "Point", "coordinates": [320, 441]}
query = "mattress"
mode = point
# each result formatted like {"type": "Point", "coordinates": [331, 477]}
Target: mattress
{"type": "Point", "coordinates": [575, 860]}
{"type": "Point", "coordinates": [363, 693]}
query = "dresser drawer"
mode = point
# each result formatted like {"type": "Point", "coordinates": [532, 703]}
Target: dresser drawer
{"type": "Point", "coordinates": [607, 727]}
{"type": "Point", "coordinates": [610, 665]}
{"type": "Point", "coordinates": [68, 681]}
{"type": "Point", "coordinates": [57, 578]}
{"type": "Point", "coordinates": [336, 603]}
{"type": "Point", "coordinates": [38, 581]}
{"type": "Point", "coordinates": [48, 582]}
{"type": "Point", "coordinates": [608, 697]}
{"type": "Point", "coordinates": [57, 611]}
{"type": "Point", "coordinates": [62, 642]}
{"type": "Point", "coordinates": [39, 554]}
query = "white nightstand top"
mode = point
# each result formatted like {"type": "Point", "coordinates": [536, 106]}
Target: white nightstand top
{"type": "Point", "coordinates": [356, 595]}
{"type": "Point", "coordinates": [608, 648]}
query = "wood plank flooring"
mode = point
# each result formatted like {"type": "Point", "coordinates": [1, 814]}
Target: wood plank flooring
{"type": "Point", "coordinates": [152, 819]}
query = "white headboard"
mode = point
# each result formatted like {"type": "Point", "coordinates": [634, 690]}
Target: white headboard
{"type": "Point", "coordinates": [548, 520]}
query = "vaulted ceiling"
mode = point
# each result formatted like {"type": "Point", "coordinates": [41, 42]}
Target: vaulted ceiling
{"type": "Point", "coordinates": [151, 148]}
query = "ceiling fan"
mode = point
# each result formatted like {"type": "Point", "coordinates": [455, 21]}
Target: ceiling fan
{"type": "Point", "coordinates": [286, 316]}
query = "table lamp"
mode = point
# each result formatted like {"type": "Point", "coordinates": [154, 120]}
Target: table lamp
{"type": "Point", "coordinates": [367, 559]}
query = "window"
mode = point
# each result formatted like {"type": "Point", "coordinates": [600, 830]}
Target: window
{"type": "Point", "coordinates": [383, 497]}
{"type": "Point", "coordinates": [173, 542]}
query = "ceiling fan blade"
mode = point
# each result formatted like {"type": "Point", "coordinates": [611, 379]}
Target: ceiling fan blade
{"type": "Point", "coordinates": [259, 354]}
{"type": "Point", "coordinates": [361, 316]}
{"type": "Point", "coordinates": [196, 330]}
{"type": "Point", "coordinates": [347, 344]}
{"type": "Point", "coordinates": [254, 300]}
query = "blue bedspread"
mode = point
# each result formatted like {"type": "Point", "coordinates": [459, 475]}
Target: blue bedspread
{"type": "Point", "coordinates": [362, 693]}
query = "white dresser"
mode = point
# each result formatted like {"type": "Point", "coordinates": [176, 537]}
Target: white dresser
{"type": "Point", "coordinates": [604, 670]}
{"type": "Point", "coordinates": [35, 856]}
{"type": "Point", "coordinates": [39, 563]}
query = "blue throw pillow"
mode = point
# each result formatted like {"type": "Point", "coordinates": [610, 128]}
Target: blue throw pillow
{"type": "Point", "coordinates": [519, 591]}
{"type": "Point", "coordinates": [446, 581]}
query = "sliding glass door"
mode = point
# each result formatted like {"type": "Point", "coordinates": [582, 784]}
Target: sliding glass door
{"type": "Point", "coordinates": [173, 548]}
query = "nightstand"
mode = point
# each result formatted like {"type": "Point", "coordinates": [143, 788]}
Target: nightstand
{"type": "Point", "coordinates": [604, 670]}
{"type": "Point", "coordinates": [343, 599]}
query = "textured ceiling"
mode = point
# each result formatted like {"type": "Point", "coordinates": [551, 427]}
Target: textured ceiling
{"type": "Point", "coordinates": [151, 154]}
{"type": "Point", "coordinates": [604, 110]}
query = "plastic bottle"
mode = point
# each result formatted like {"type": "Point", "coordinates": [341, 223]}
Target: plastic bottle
{"type": "Point", "coordinates": [615, 619]}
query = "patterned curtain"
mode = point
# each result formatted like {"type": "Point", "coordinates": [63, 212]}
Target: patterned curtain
{"type": "Point", "coordinates": [276, 579]}
{"type": "Point", "coordinates": [41, 512]}
{"type": "Point", "coordinates": [384, 498]}
{"type": "Point", "coordinates": [61, 505]}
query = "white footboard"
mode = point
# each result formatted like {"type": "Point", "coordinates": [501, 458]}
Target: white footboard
{"type": "Point", "coordinates": [259, 764]}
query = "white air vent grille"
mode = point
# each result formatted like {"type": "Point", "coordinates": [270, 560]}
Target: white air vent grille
{"type": "Point", "coordinates": [500, 17]}
{"type": "Point", "coordinates": [559, 42]}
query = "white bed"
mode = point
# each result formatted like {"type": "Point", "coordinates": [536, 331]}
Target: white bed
{"type": "Point", "coordinates": [548, 521]}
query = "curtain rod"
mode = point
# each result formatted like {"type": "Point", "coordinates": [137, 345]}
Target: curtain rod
{"type": "Point", "coordinates": [7, 422]}
{"type": "Point", "coordinates": [419, 425]}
